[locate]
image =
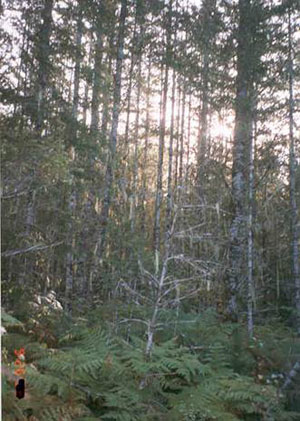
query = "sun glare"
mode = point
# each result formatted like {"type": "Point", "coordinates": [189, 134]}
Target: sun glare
{"type": "Point", "coordinates": [221, 129]}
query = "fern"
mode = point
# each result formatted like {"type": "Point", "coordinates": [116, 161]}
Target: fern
{"type": "Point", "coordinates": [202, 374]}
{"type": "Point", "coordinates": [8, 320]}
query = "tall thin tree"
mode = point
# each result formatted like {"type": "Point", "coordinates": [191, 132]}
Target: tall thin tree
{"type": "Point", "coordinates": [292, 169]}
{"type": "Point", "coordinates": [104, 215]}
{"type": "Point", "coordinates": [162, 130]}
{"type": "Point", "coordinates": [241, 148]}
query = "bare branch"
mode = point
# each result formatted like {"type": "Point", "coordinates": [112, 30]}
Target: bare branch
{"type": "Point", "coordinates": [133, 320]}
{"type": "Point", "coordinates": [14, 195]}
{"type": "Point", "coordinates": [37, 247]}
{"type": "Point", "coordinates": [292, 374]}
{"type": "Point", "coordinates": [133, 292]}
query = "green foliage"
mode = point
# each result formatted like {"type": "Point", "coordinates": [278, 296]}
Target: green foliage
{"type": "Point", "coordinates": [92, 374]}
{"type": "Point", "coordinates": [8, 320]}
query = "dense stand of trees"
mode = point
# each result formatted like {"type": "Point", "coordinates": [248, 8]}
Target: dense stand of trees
{"type": "Point", "coordinates": [150, 162]}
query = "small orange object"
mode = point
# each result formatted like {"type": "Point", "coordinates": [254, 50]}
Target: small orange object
{"type": "Point", "coordinates": [20, 372]}
{"type": "Point", "coordinates": [19, 352]}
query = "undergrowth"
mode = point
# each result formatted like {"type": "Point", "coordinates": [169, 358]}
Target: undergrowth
{"type": "Point", "coordinates": [86, 369]}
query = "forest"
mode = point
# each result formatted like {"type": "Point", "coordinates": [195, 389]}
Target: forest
{"type": "Point", "coordinates": [150, 241]}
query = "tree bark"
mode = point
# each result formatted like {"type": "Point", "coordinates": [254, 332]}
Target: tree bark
{"type": "Point", "coordinates": [188, 140]}
{"type": "Point", "coordinates": [208, 7]}
{"type": "Point", "coordinates": [129, 92]}
{"type": "Point", "coordinates": [242, 142]}
{"type": "Point", "coordinates": [182, 131]}
{"type": "Point", "coordinates": [104, 216]}
{"type": "Point", "coordinates": [295, 225]}
{"type": "Point", "coordinates": [72, 155]}
{"type": "Point", "coordinates": [162, 130]}
{"type": "Point", "coordinates": [204, 112]}
{"type": "Point", "coordinates": [136, 127]}
{"type": "Point", "coordinates": [86, 87]}
{"type": "Point", "coordinates": [177, 138]}
{"type": "Point", "coordinates": [146, 147]}
{"type": "Point", "coordinates": [106, 92]}
{"type": "Point", "coordinates": [97, 79]}
{"type": "Point", "coordinates": [250, 256]}
{"type": "Point", "coordinates": [170, 166]}
{"type": "Point", "coordinates": [43, 55]}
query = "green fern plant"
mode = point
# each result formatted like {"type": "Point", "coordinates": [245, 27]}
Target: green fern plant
{"type": "Point", "coordinates": [93, 374]}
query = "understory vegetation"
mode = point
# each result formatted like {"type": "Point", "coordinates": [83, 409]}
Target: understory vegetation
{"type": "Point", "coordinates": [201, 368]}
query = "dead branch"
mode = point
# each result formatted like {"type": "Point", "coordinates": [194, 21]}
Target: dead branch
{"type": "Point", "coordinates": [37, 247]}
{"type": "Point", "coordinates": [291, 375]}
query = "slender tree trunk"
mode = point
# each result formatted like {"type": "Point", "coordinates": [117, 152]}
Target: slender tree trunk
{"type": "Point", "coordinates": [182, 132]}
{"type": "Point", "coordinates": [77, 71]}
{"type": "Point", "coordinates": [159, 293]}
{"type": "Point", "coordinates": [100, 247]}
{"type": "Point", "coordinates": [170, 166]}
{"type": "Point", "coordinates": [250, 281]}
{"type": "Point", "coordinates": [208, 7]}
{"type": "Point", "coordinates": [146, 147]}
{"type": "Point", "coordinates": [177, 137]}
{"type": "Point", "coordinates": [139, 20]}
{"type": "Point", "coordinates": [69, 257]}
{"type": "Point", "coordinates": [188, 140]}
{"type": "Point", "coordinates": [162, 130]}
{"type": "Point", "coordinates": [136, 134]}
{"type": "Point", "coordinates": [72, 142]}
{"type": "Point", "coordinates": [172, 124]}
{"type": "Point", "coordinates": [29, 223]}
{"type": "Point", "coordinates": [23, 53]}
{"type": "Point", "coordinates": [159, 175]}
{"type": "Point", "coordinates": [105, 112]}
{"type": "Point", "coordinates": [43, 54]}
{"type": "Point", "coordinates": [97, 81]}
{"type": "Point", "coordinates": [204, 112]}
{"type": "Point", "coordinates": [292, 166]}
{"type": "Point", "coordinates": [242, 142]}
{"type": "Point", "coordinates": [129, 92]}
{"type": "Point", "coordinates": [87, 86]}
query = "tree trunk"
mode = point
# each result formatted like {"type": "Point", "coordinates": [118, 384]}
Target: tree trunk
{"type": "Point", "coordinates": [100, 247]}
{"type": "Point", "coordinates": [292, 166]}
{"type": "Point", "coordinates": [72, 142]}
{"type": "Point", "coordinates": [129, 92]}
{"type": "Point", "coordinates": [208, 8]}
{"type": "Point", "coordinates": [162, 130]}
{"type": "Point", "coordinates": [106, 92]}
{"type": "Point", "coordinates": [250, 281]}
{"type": "Point", "coordinates": [188, 140]}
{"type": "Point", "coordinates": [146, 147]}
{"type": "Point", "coordinates": [170, 166]}
{"type": "Point", "coordinates": [136, 129]}
{"type": "Point", "coordinates": [171, 143]}
{"type": "Point", "coordinates": [97, 81]}
{"type": "Point", "coordinates": [177, 137]}
{"type": "Point", "coordinates": [43, 54]}
{"type": "Point", "coordinates": [77, 69]}
{"type": "Point", "coordinates": [204, 112]}
{"type": "Point", "coordinates": [241, 148]}
{"type": "Point", "coordinates": [182, 131]}
{"type": "Point", "coordinates": [86, 87]}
